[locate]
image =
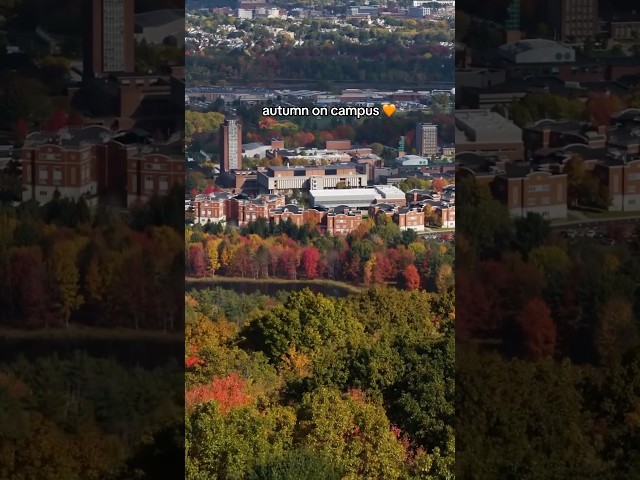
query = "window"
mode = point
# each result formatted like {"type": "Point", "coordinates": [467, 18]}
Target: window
{"type": "Point", "coordinates": [163, 185]}
{"type": "Point", "coordinates": [43, 174]}
{"type": "Point", "coordinates": [148, 184]}
{"type": "Point", "coordinates": [531, 202]}
{"type": "Point", "coordinates": [57, 175]}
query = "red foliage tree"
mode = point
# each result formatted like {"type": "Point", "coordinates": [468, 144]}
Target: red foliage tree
{"type": "Point", "coordinates": [344, 132]}
{"type": "Point", "coordinates": [28, 277]}
{"type": "Point", "coordinates": [267, 123]}
{"type": "Point", "coordinates": [209, 190]}
{"type": "Point", "coordinates": [410, 138]}
{"type": "Point", "coordinates": [384, 268]}
{"type": "Point", "coordinates": [475, 311]}
{"type": "Point", "coordinates": [538, 329]}
{"type": "Point", "coordinates": [192, 361]}
{"type": "Point", "coordinates": [288, 263]}
{"type": "Point", "coordinates": [196, 260]}
{"type": "Point", "coordinates": [310, 259]}
{"type": "Point", "coordinates": [21, 128]}
{"type": "Point", "coordinates": [56, 121]}
{"type": "Point", "coordinates": [600, 108]}
{"type": "Point", "coordinates": [438, 184]}
{"type": "Point", "coordinates": [228, 392]}
{"type": "Point", "coordinates": [411, 277]}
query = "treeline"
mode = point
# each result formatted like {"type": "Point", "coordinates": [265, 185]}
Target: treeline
{"type": "Point", "coordinates": [410, 52]}
{"type": "Point", "coordinates": [520, 282]}
{"type": "Point", "coordinates": [326, 388]}
{"type": "Point", "coordinates": [598, 108]}
{"type": "Point", "coordinates": [60, 264]}
{"type": "Point", "coordinates": [378, 252]}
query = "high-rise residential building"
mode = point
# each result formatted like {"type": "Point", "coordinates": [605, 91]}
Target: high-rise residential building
{"type": "Point", "coordinates": [512, 25]}
{"type": "Point", "coordinates": [109, 40]}
{"type": "Point", "coordinates": [231, 146]}
{"type": "Point", "coordinates": [573, 19]}
{"type": "Point", "coordinates": [427, 139]}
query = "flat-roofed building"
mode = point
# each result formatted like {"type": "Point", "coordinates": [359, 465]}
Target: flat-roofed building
{"type": "Point", "coordinates": [357, 197]}
{"type": "Point", "coordinates": [573, 19]}
{"type": "Point", "coordinates": [537, 50]}
{"type": "Point", "coordinates": [484, 131]}
{"type": "Point", "coordinates": [231, 145]}
{"type": "Point", "coordinates": [279, 179]}
{"type": "Point", "coordinates": [245, 181]}
{"type": "Point", "coordinates": [427, 139]}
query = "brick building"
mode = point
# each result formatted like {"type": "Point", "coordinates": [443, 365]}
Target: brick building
{"type": "Point", "coordinates": [153, 171]}
{"type": "Point", "coordinates": [622, 179]}
{"type": "Point", "coordinates": [573, 19]}
{"type": "Point", "coordinates": [245, 210]}
{"type": "Point", "coordinates": [427, 139]}
{"type": "Point", "coordinates": [524, 190]}
{"type": "Point", "coordinates": [342, 220]}
{"type": "Point", "coordinates": [409, 218]}
{"type": "Point", "coordinates": [60, 167]}
{"type": "Point", "coordinates": [211, 208]}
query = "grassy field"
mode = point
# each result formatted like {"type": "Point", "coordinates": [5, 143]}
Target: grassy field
{"type": "Point", "coordinates": [221, 281]}
{"type": "Point", "coordinates": [88, 333]}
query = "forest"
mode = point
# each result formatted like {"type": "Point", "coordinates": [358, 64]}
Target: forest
{"type": "Point", "coordinates": [62, 265]}
{"type": "Point", "coordinates": [91, 373]}
{"type": "Point", "coordinates": [547, 353]}
{"type": "Point", "coordinates": [306, 386]}
{"type": "Point", "coordinates": [377, 253]}
{"type": "Point", "coordinates": [75, 416]}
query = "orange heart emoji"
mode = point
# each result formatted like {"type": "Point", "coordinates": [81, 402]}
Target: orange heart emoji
{"type": "Point", "coordinates": [389, 108]}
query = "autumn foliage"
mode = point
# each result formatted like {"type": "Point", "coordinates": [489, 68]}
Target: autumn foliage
{"type": "Point", "coordinates": [372, 255]}
{"type": "Point", "coordinates": [228, 392]}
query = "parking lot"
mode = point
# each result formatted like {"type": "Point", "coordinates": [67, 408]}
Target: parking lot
{"type": "Point", "coordinates": [609, 234]}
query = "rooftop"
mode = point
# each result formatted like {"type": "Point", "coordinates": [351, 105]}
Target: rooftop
{"type": "Point", "coordinates": [485, 126]}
